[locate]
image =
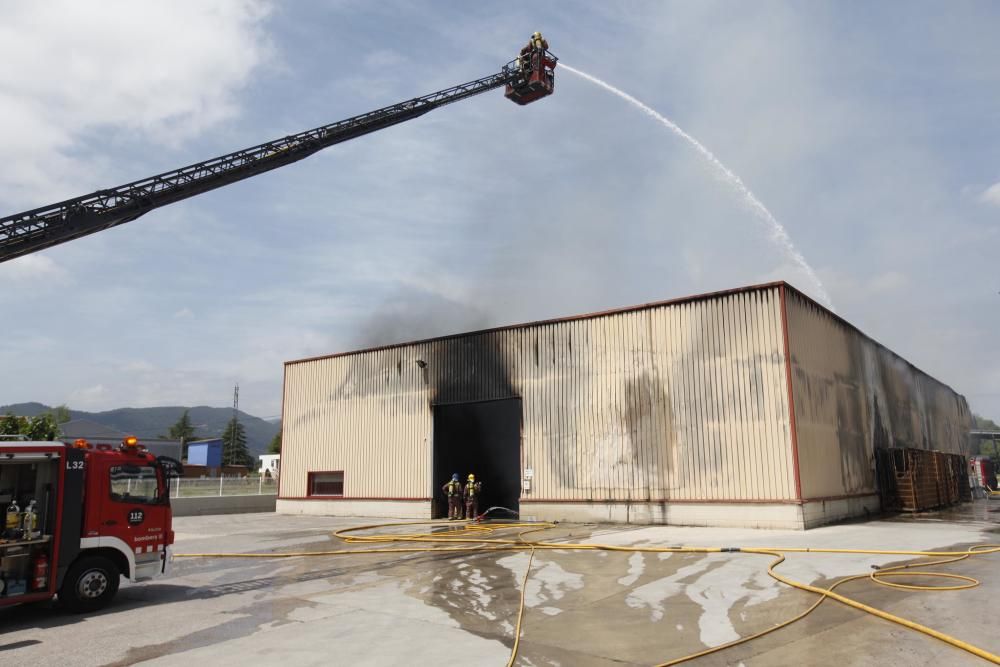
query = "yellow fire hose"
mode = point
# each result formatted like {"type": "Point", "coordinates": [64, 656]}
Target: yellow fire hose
{"type": "Point", "coordinates": [475, 537]}
{"type": "Point", "coordinates": [520, 611]}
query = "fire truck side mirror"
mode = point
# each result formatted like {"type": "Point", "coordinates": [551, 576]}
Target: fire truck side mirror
{"type": "Point", "coordinates": [171, 467]}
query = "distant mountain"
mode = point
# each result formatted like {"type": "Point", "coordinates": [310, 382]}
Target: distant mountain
{"type": "Point", "coordinates": [155, 422]}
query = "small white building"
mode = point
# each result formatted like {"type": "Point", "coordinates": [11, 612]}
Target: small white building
{"type": "Point", "coordinates": [270, 463]}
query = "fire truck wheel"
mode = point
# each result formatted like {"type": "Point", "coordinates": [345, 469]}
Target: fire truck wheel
{"type": "Point", "coordinates": [90, 584]}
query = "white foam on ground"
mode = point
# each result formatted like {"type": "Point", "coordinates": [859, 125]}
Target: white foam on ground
{"type": "Point", "coordinates": [719, 589]}
{"type": "Point", "coordinates": [482, 598]}
{"type": "Point", "coordinates": [743, 578]}
{"type": "Point", "coordinates": [636, 565]}
{"type": "Point", "coordinates": [476, 577]}
{"type": "Point", "coordinates": [548, 580]}
{"type": "Point", "coordinates": [654, 593]}
{"type": "Point", "coordinates": [551, 581]}
{"type": "Point", "coordinates": [810, 567]}
{"type": "Point", "coordinates": [472, 586]}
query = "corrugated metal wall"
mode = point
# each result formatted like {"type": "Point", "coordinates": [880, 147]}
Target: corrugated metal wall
{"type": "Point", "coordinates": [852, 395]}
{"type": "Point", "coordinates": [365, 414]}
{"type": "Point", "coordinates": [683, 401]}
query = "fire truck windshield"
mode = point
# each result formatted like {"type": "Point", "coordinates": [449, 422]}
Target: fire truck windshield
{"type": "Point", "coordinates": [135, 484]}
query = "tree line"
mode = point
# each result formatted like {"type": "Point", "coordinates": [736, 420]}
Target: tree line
{"type": "Point", "coordinates": [44, 426]}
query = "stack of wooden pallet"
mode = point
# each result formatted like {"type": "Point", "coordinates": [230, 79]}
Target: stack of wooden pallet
{"type": "Point", "coordinates": [926, 479]}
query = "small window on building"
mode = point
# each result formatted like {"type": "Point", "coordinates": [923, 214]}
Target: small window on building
{"type": "Point", "coordinates": [326, 483]}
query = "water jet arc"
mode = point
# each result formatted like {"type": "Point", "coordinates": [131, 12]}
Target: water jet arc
{"type": "Point", "coordinates": [778, 232]}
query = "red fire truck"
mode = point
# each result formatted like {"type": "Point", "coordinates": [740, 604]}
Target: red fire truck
{"type": "Point", "coordinates": [79, 517]}
{"type": "Point", "coordinates": [982, 476]}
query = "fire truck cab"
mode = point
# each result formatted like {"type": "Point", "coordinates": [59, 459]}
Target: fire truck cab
{"type": "Point", "coordinates": [77, 518]}
{"type": "Point", "coordinates": [982, 476]}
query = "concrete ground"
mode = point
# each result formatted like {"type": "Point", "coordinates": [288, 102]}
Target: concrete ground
{"type": "Point", "coordinates": [583, 607]}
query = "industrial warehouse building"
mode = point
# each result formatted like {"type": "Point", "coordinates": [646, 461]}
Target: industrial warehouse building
{"type": "Point", "coordinates": [750, 407]}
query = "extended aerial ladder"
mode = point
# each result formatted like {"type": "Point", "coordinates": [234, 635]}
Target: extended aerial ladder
{"type": "Point", "coordinates": [526, 79]}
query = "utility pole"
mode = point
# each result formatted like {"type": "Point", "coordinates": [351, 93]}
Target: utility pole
{"type": "Point", "coordinates": [232, 431]}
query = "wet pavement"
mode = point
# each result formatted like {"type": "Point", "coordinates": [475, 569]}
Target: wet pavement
{"type": "Point", "coordinates": [581, 607]}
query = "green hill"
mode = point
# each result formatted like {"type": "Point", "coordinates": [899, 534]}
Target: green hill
{"type": "Point", "coordinates": [156, 422]}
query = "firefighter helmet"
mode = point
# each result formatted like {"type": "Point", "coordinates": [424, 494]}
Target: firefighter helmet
{"type": "Point", "coordinates": [536, 35]}
{"type": "Point", "coordinates": [472, 478]}
{"type": "Point", "coordinates": [454, 477]}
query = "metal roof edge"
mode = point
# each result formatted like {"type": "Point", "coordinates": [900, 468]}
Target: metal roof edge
{"type": "Point", "coordinates": [538, 323]}
{"type": "Point", "coordinates": [808, 299]}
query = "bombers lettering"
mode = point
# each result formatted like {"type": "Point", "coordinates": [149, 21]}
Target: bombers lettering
{"type": "Point", "coordinates": [146, 538]}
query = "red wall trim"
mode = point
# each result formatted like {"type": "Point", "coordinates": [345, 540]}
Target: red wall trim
{"type": "Point", "coordinates": [791, 396]}
{"type": "Point", "coordinates": [337, 498]}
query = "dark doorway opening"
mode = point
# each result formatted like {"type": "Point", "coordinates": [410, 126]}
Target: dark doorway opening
{"type": "Point", "coordinates": [482, 438]}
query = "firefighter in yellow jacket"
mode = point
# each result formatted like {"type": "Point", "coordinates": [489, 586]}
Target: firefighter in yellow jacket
{"type": "Point", "coordinates": [536, 43]}
{"type": "Point", "coordinates": [453, 490]}
{"type": "Point", "coordinates": [471, 493]}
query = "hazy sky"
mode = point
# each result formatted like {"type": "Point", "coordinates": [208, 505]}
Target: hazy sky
{"type": "Point", "coordinates": [870, 130]}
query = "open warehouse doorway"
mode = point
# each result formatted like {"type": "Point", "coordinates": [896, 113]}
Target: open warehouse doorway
{"type": "Point", "coordinates": [484, 438]}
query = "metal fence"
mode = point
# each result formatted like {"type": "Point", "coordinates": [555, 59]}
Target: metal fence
{"type": "Point", "coordinates": [223, 486]}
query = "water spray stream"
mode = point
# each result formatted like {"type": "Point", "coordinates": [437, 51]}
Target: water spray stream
{"type": "Point", "coordinates": [778, 233]}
